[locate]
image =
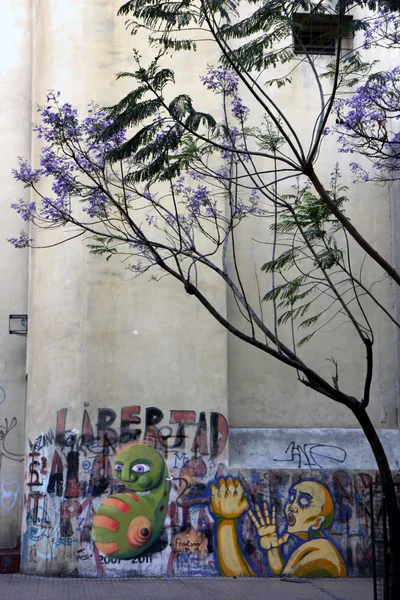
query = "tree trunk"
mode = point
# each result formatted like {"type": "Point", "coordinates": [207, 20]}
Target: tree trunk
{"type": "Point", "coordinates": [389, 492]}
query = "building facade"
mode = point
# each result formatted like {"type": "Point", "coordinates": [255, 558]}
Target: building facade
{"type": "Point", "coordinates": [132, 380]}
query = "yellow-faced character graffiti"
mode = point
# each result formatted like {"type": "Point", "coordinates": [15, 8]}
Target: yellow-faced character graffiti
{"type": "Point", "coordinates": [300, 549]}
{"type": "Point", "coordinates": [126, 524]}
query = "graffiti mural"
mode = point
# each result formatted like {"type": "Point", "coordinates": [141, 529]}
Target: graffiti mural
{"type": "Point", "coordinates": [309, 513]}
{"type": "Point", "coordinates": [127, 523]}
{"type": "Point", "coordinates": [5, 431]}
{"type": "Point", "coordinates": [300, 549]}
{"type": "Point", "coordinates": [9, 492]}
{"type": "Point", "coordinates": [201, 434]}
{"type": "Point", "coordinates": [11, 469]}
{"type": "Point", "coordinates": [228, 503]}
{"type": "Point", "coordinates": [98, 499]}
{"type": "Point", "coordinates": [151, 494]}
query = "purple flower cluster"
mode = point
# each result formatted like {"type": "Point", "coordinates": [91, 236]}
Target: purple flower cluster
{"type": "Point", "coordinates": [383, 31]}
{"type": "Point", "coordinates": [25, 173]}
{"type": "Point", "coordinates": [25, 209]}
{"type": "Point", "coordinates": [232, 141]}
{"type": "Point", "coordinates": [226, 82]}
{"type": "Point", "coordinates": [200, 204]}
{"type": "Point", "coordinates": [55, 209]}
{"type": "Point", "coordinates": [198, 201]}
{"type": "Point", "coordinates": [366, 123]}
{"type": "Point", "coordinates": [164, 129]}
{"type": "Point", "coordinates": [254, 203]}
{"type": "Point", "coordinates": [360, 173]}
{"type": "Point", "coordinates": [23, 241]}
{"type": "Point", "coordinates": [97, 204]}
{"type": "Point", "coordinates": [242, 208]}
{"type": "Point", "coordinates": [73, 158]}
{"type": "Point", "coordinates": [198, 198]}
{"type": "Point", "coordinates": [148, 195]}
{"type": "Point", "coordinates": [150, 219]}
{"type": "Point", "coordinates": [58, 122]}
{"type": "Point", "coordinates": [221, 80]}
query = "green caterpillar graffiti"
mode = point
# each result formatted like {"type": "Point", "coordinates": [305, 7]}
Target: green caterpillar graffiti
{"type": "Point", "coordinates": [128, 523]}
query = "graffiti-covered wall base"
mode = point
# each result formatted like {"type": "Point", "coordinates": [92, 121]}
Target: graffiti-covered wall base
{"type": "Point", "coordinates": [115, 502]}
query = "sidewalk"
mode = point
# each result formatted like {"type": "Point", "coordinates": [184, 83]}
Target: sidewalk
{"type": "Point", "coordinates": [23, 587]}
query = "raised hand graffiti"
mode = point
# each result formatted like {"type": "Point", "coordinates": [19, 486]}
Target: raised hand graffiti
{"type": "Point", "coordinates": [228, 500]}
{"type": "Point", "coordinates": [228, 503]}
{"type": "Point", "coordinates": [266, 527]}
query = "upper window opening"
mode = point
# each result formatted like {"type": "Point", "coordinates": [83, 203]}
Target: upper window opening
{"type": "Point", "coordinates": [317, 33]}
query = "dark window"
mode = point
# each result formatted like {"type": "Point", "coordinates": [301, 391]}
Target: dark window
{"type": "Point", "coordinates": [317, 34]}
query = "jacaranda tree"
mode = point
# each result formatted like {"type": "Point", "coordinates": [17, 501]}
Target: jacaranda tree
{"type": "Point", "coordinates": [165, 187]}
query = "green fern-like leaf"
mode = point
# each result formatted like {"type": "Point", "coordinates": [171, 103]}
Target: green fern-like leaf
{"type": "Point", "coordinates": [283, 262]}
{"type": "Point", "coordinates": [310, 321]}
{"type": "Point", "coordinates": [305, 339]}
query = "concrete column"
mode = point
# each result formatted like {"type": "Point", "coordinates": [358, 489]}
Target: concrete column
{"type": "Point", "coordinates": [15, 117]}
{"type": "Point", "coordinates": [101, 340]}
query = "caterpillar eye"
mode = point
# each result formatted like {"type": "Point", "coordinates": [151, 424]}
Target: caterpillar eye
{"type": "Point", "coordinates": [118, 467]}
{"type": "Point", "coordinates": [141, 468]}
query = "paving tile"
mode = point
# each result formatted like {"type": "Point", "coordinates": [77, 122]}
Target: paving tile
{"type": "Point", "coordinates": [23, 587]}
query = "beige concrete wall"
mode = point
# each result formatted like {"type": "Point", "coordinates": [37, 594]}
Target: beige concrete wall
{"type": "Point", "coordinates": [15, 100]}
{"type": "Point", "coordinates": [269, 391]}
